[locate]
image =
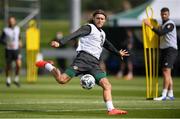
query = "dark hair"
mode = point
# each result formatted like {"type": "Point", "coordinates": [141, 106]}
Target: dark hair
{"type": "Point", "coordinates": [99, 11]}
{"type": "Point", "coordinates": [11, 17]}
{"type": "Point", "coordinates": [165, 9]}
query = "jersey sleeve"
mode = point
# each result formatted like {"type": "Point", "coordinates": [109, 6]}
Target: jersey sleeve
{"type": "Point", "coordinates": [109, 46]}
{"type": "Point", "coordinates": [168, 28]}
{"type": "Point", "coordinates": [83, 31]}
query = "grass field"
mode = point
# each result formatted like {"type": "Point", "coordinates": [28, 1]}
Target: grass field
{"type": "Point", "coordinates": [47, 99]}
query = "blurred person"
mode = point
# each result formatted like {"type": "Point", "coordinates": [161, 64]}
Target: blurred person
{"type": "Point", "coordinates": [61, 61]}
{"type": "Point", "coordinates": [11, 39]}
{"type": "Point", "coordinates": [91, 42]}
{"type": "Point", "coordinates": [126, 5]}
{"type": "Point", "coordinates": [168, 51]}
{"type": "Point", "coordinates": [126, 67]}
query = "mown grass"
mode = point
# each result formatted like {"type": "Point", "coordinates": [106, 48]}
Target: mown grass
{"type": "Point", "coordinates": [48, 99]}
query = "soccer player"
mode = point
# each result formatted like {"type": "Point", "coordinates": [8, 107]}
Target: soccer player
{"type": "Point", "coordinates": [168, 51]}
{"type": "Point", "coordinates": [11, 39]}
{"type": "Point", "coordinates": [91, 43]}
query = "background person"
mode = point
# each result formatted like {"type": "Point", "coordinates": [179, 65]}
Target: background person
{"type": "Point", "coordinates": [91, 43]}
{"type": "Point", "coordinates": [11, 39]}
{"type": "Point", "coordinates": [61, 61]}
{"type": "Point", "coordinates": [126, 66]}
{"type": "Point", "coordinates": [168, 51]}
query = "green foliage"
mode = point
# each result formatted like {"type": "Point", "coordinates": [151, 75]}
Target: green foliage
{"type": "Point", "coordinates": [101, 4]}
{"type": "Point", "coordinates": [60, 9]}
{"type": "Point", "coordinates": [108, 5]}
{"type": "Point", "coordinates": [2, 56]}
{"type": "Point", "coordinates": [55, 9]}
{"type": "Point", "coordinates": [49, 28]}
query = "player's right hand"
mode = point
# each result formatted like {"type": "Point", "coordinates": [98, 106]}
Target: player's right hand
{"type": "Point", "coordinates": [54, 44]}
{"type": "Point", "coordinates": [148, 23]}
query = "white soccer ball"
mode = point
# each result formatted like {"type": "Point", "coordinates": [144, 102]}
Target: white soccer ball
{"type": "Point", "coordinates": [87, 81]}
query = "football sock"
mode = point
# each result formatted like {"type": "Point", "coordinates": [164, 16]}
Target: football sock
{"type": "Point", "coordinates": [164, 92]}
{"type": "Point", "coordinates": [109, 105]}
{"type": "Point", "coordinates": [16, 79]}
{"type": "Point", "coordinates": [8, 80]}
{"type": "Point", "coordinates": [170, 93]}
{"type": "Point", "coordinates": [49, 67]}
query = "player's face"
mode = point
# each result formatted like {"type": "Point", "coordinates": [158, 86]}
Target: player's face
{"type": "Point", "coordinates": [165, 15]}
{"type": "Point", "coordinates": [12, 22]}
{"type": "Point", "coordinates": [99, 20]}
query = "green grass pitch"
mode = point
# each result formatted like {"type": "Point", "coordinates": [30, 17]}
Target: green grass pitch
{"type": "Point", "coordinates": [48, 99]}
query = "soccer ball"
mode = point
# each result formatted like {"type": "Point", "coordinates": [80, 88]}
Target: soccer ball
{"type": "Point", "coordinates": [87, 81]}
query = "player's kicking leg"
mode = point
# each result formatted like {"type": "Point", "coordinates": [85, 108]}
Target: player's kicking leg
{"type": "Point", "coordinates": [61, 78]}
{"type": "Point", "coordinates": [104, 83]}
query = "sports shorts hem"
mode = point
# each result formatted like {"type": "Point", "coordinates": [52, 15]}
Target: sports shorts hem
{"type": "Point", "coordinates": [70, 72]}
{"type": "Point", "coordinates": [99, 76]}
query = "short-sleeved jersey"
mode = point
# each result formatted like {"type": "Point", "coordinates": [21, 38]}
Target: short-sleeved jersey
{"type": "Point", "coordinates": [93, 42]}
{"type": "Point", "coordinates": [12, 37]}
{"type": "Point", "coordinates": [170, 38]}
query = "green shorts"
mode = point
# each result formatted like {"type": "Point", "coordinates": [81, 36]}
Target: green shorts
{"type": "Point", "coordinates": [85, 63]}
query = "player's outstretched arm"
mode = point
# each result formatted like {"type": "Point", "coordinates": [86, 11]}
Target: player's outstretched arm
{"type": "Point", "coordinates": [168, 28]}
{"type": "Point", "coordinates": [109, 46]}
{"type": "Point", "coordinates": [123, 53]}
{"type": "Point", "coordinates": [83, 31]}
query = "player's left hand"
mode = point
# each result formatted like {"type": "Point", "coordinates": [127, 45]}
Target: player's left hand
{"type": "Point", "coordinates": [54, 44]}
{"type": "Point", "coordinates": [123, 53]}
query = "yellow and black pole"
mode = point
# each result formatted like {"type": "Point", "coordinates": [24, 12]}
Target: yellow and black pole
{"type": "Point", "coordinates": [32, 50]}
{"type": "Point", "coordinates": [151, 56]}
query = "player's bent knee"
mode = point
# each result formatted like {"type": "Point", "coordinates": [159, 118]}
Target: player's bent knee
{"type": "Point", "coordinates": [60, 80]}
{"type": "Point", "coordinates": [63, 79]}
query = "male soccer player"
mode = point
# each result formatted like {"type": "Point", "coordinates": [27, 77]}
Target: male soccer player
{"type": "Point", "coordinates": [11, 39]}
{"type": "Point", "coordinates": [168, 51]}
{"type": "Point", "coordinates": [91, 42]}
